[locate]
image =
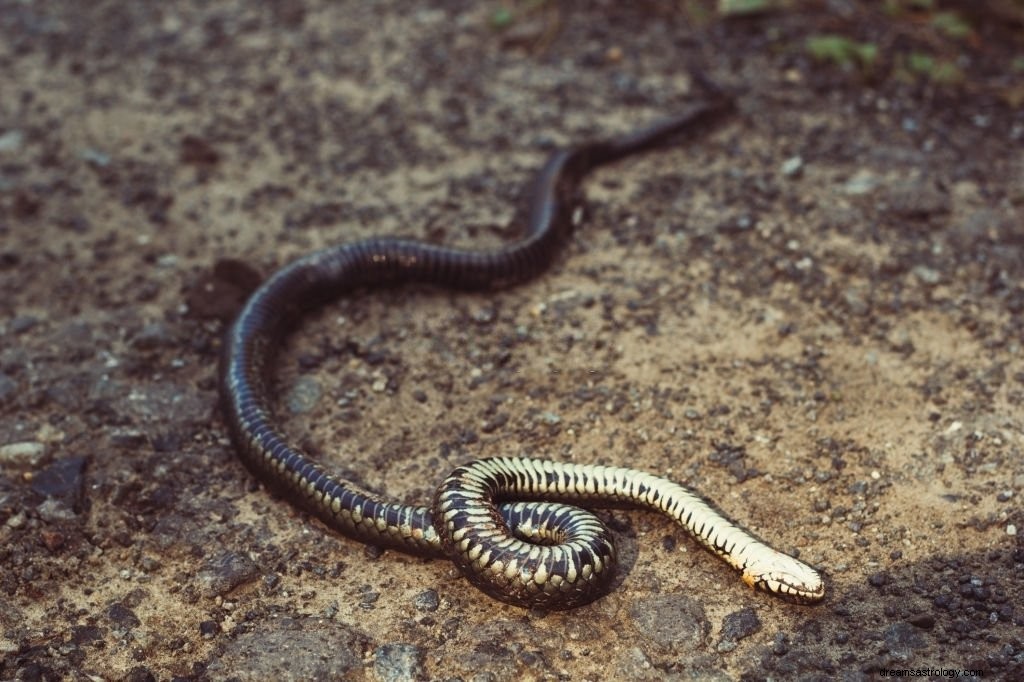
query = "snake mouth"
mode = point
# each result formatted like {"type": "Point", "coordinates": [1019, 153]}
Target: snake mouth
{"type": "Point", "coordinates": [802, 589]}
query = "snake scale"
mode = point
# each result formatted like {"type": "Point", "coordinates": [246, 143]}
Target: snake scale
{"type": "Point", "coordinates": [512, 525]}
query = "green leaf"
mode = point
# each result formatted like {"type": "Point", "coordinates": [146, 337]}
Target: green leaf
{"type": "Point", "coordinates": [919, 62]}
{"type": "Point", "coordinates": [951, 25]}
{"type": "Point", "coordinates": [841, 50]}
{"type": "Point", "coordinates": [739, 7]}
{"type": "Point", "coordinates": [501, 18]}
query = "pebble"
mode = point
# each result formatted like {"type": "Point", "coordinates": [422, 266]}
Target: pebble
{"type": "Point", "coordinates": [916, 198]}
{"type": "Point", "coordinates": [8, 388]}
{"type": "Point", "coordinates": [168, 403]}
{"type": "Point", "coordinates": [284, 649]}
{"type": "Point", "coordinates": [11, 141]}
{"type": "Point", "coordinates": [303, 395]}
{"type": "Point", "coordinates": [26, 453]}
{"type": "Point", "coordinates": [862, 182]}
{"type": "Point", "coordinates": [674, 623]}
{"type": "Point", "coordinates": [902, 638]}
{"type": "Point", "coordinates": [22, 323]}
{"type": "Point", "coordinates": [62, 481]}
{"type": "Point", "coordinates": [740, 624]}
{"type": "Point", "coordinates": [209, 629]}
{"type": "Point", "coordinates": [225, 572]}
{"type": "Point", "coordinates": [122, 616]}
{"type": "Point", "coordinates": [792, 167]}
{"type": "Point", "coordinates": [427, 601]}
{"type": "Point", "coordinates": [152, 336]}
{"type": "Point", "coordinates": [398, 662]}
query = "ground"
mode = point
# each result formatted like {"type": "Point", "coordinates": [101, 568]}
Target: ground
{"type": "Point", "coordinates": [812, 315]}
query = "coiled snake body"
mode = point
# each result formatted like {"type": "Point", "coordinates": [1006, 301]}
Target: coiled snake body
{"type": "Point", "coordinates": [506, 522]}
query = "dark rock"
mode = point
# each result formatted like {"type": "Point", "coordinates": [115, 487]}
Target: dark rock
{"type": "Point", "coordinates": [287, 650]}
{"type": "Point", "coordinates": [8, 388]}
{"type": "Point", "coordinates": [226, 572]}
{"type": "Point", "coordinates": [925, 621]}
{"type": "Point", "coordinates": [196, 151]}
{"type": "Point", "coordinates": [398, 662]}
{"type": "Point", "coordinates": [918, 198]}
{"type": "Point", "coordinates": [121, 615]}
{"type": "Point", "coordinates": [740, 624]}
{"type": "Point", "coordinates": [220, 293]}
{"type": "Point", "coordinates": [673, 623]}
{"type": "Point", "coordinates": [62, 481]}
{"type": "Point", "coordinates": [902, 638]}
{"type": "Point", "coordinates": [427, 601]}
{"type": "Point", "coordinates": [139, 674]}
{"type": "Point", "coordinates": [86, 634]}
{"type": "Point", "coordinates": [22, 323]}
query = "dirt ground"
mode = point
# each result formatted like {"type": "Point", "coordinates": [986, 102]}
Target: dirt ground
{"type": "Point", "coordinates": [812, 315]}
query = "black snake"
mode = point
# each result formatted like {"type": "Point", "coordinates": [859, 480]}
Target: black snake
{"type": "Point", "coordinates": [506, 522]}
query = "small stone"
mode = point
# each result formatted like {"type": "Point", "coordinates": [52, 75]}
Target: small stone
{"type": "Point", "coordinates": [52, 540]}
{"type": "Point", "coordinates": [8, 388]}
{"type": "Point", "coordinates": [22, 323]}
{"type": "Point", "coordinates": [671, 622]}
{"type": "Point", "coordinates": [62, 481]}
{"type": "Point", "coordinates": [139, 674]}
{"type": "Point", "coordinates": [121, 615]}
{"type": "Point", "coordinates": [11, 141]}
{"type": "Point", "coordinates": [862, 182]}
{"type": "Point", "coordinates": [925, 621]}
{"type": "Point", "coordinates": [303, 395]}
{"type": "Point", "coordinates": [209, 629]}
{"type": "Point", "coordinates": [26, 453]}
{"type": "Point", "coordinates": [740, 624]}
{"type": "Point", "coordinates": [398, 662]}
{"type": "Point", "coordinates": [879, 579]}
{"type": "Point", "coordinates": [226, 572]}
{"type": "Point", "coordinates": [291, 649]}
{"type": "Point", "coordinates": [152, 336]}
{"type": "Point", "coordinates": [427, 601]}
{"type": "Point", "coordinates": [792, 166]}
{"type": "Point", "coordinates": [916, 198]}
{"type": "Point", "coordinates": [927, 275]}
{"type": "Point", "coordinates": [901, 638]}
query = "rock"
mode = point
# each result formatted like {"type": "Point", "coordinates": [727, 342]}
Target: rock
{"type": "Point", "coordinates": [153, 335]}
{"type": "Point", "coordinates": [740, 624]}
{"type": "Point", "coordinates": [901, 639]}
{"type": "Point", "coordinates": [792, 167]}
{"type": "Point", "coordinates": [122, 616]}
{"type": "Point", "coordinates": [673, 623]}
{"type": "Point", "coordinates": [62, 481]}
{"type": "Point", "coordinates": [287, 650]}
{"type": "Point", "coordinates": [917, 198]}
{"type": "Point", "coordinates": [167, 402]}
{"type": "Point", "coordinates": [225, 572]}
{"type": "Point", "coordinates": [303, 395]}
{"type": "Point", "coordinates": [427, 601]}
{"type": "Point", "coordinates": [8, 388]}
{"type": "Point", "coordinates": [27, 453]}
{"type": "Point", "coordinates": [398, 662]}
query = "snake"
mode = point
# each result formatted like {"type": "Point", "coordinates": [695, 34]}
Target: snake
{"type": "Point", "coordinates": [518, 528]}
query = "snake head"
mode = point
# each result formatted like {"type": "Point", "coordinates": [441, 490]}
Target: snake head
{"type": "Point", "coordinates": [785, 577]}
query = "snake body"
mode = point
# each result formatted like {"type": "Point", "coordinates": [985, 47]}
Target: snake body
{"type": "Point", "coordinates": [510, 524]}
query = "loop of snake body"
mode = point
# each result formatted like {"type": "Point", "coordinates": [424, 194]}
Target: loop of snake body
{"type": "Point", "coordinates": [512, 525]}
